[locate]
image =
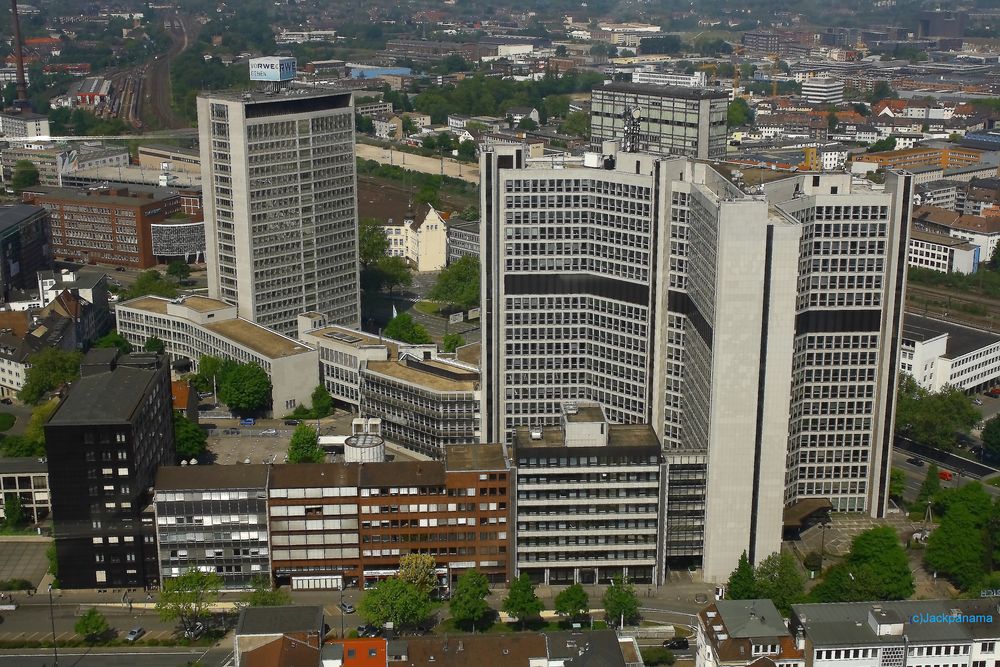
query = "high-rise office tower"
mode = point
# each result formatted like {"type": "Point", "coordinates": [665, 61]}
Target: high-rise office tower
{"type": "Point", "coordinates": [754, 330]}
{"type": "Point", "coordinates": [280, 204]}
{"type": "Point", "coordinates": [673, 120]}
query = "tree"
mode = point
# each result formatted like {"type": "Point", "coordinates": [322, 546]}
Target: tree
{"type": "Point", "coordinates": [178, 269]}
{"type": "Point", "coordinates": [395, 272]}
{"type": "Point", "coordinates": [245, 388]}
{"type": "Point", "coordinates": [151, 283]}
{"type": "Point", "coordinates": [114, 339]}
{"type": "Point", "coordinates": [933, 418]}
{"type": "Point", "coordinates": [887, 144]}
{"type": "Point", "coordinates": [955, 548]}
{"type": "Point", "coordinates": [452, 342]}
{"type": "Point", "coordinates": [25, 175]}
{"type": "Point", "coordinates": [397, 601]}
{"type": "Point", "coordinates": [845, 583]}
{"type": "Point", "coordinates": [418, 569]}
{"type": "Point", "coordinates": [48, 370]}
{"type": "Point", "coordinates": [458, 284]}
{"type": "Point", "coordinates": [527, 123]}
{"type": "Point", "coordinates": [573, 602]}
{"type": "Point", "coordinates": [556, 106]}
{"type": "Point", "coordinates": [742, 585]}
{"type": "Point", "coordinates": [209, 373]}
{"type": "Point", "coordinates": [881, 91]}
{"type": "Point", "coordinates": [620, 602]}
{"type": "Point", "coordinates": [189, 597]}
{"type": "Point", "coordinates": [427, 194]}
{"type": "Point", "coordinates": [831, 120]}
{"type": "Point", "coordinates": [13, 511]}
{"type": "Point", "coordinates": [32, 442]}
{"type": "Point", "coordinates": [777, 578]}
{"type": "Point", "coordinates": [880, 550]}
{"type": "Point", "coordinates": [92, 625]}
{"type": "Point", "coordinates": [189, 439]}
{"type": "Point", "coordinates": [264, 595]}
{"type": "Point", "coordinates": [521, 602]}
{"type": "Point", "coordinates": [561, 51]}
{"type": "Point", "coordinates": [372, 241]}
{"type": "Point", "coordinates": [304, 446]}
{"type": "Point", "coordinates": [468, 601]}
{"type": "Point", "coordinates": [861, 109]}
{"type": "Point", "coordinates": [409, 126]}
{"type": "Point", "coordinates": [991, 437]}
{"type": "Point", "coordinates": [322, 402]}
{"type": "Point", "coordinates": [154, 344]}
{"type": "Point", "coordinates": [577, 123]}
{"type": "Point", "coordinates": [363, 124]}
{"type": "Point", "coordinates": [467, 150]}
{"type": "Point", "coordinates": [897, 483]}
{"type": "Point", "coordinates": [738, 113]}
{"type": "Point", "coordinates": [404, 329]}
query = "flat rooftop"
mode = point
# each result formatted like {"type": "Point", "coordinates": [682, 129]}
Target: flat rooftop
{"type": "Point", "coordinates": [846, 623]}
{"type": "Point", "coordinates": [110, 397]}
{"type": "Point", "coordinates": [962, 340]}
{"type": "Point", "coordinates": [940, 239]}
{"type": "Point", "coordinates": [474, 457]}
{"type": "Point", "coordinates": [257, 338]}
{"type": "Point", "coordinates": [159, 195]}
{"type": "Point", "coordinates": [586, 413]}
{"type": "Point", "coordinates": [151, 304]}
{"type": "Point", "coordinates": [431, 376]}
{"type": "Point", "coordinates": [14, 215]}
{"type": "Point", "coordinates": [638, 436]}
{"type": "Point", "coordinates": [306, 99]}
{"type": "Point", "coordinates": [178, 478]}
{"type": "Point", "coordinates": [664, 91]}
{"type": "Point", "coordinates": [203, 304]}
{"type": "Point", "coordinates": [280, 620]}
{"type": "Point", "coordinates": [14, 465]}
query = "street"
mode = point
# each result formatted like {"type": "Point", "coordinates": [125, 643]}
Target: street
{"type": "Point", "coordinates": [104, 657]}
{"type": "Point", "coordinates": [428, 165]}
{"type": "Point", "coordinates": [915, 476]}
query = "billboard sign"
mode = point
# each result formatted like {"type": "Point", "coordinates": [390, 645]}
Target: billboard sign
{"type": "Point", "coordinates": [474, 314]}
{"type": "Point", "coordinates": [272, 68]}
{"type": "Point", "coordinates": [455, 318]}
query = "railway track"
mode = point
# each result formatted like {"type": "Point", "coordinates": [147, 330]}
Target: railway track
{"type": "Point", "coordinates": [974, 310]}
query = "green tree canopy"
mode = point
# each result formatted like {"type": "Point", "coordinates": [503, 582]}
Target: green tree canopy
{"type": "Point", "coordinates": [397, 601]}
{"type": "Point", "coordinates": [991, 437]}
{"type": "Point", "coordinates": [372, 241]}
{"type": "Point", "coordinates": [742, 584]}
{"type": "Point", "coordinates": [778, 579]}
{"type": "Point", "coordinates": [467, 150]}
{"type": "Point", "coordinates": [245, 388]}
{"type": "Point", "coordinates": [897, 484]}
{"type": "Point", "coordinates": [151, 283]}
{"type": "Point", "coordinates": [304, 446]}
{"type": "Point", "coordinates": [92, 625]}
{"type": "Point", "coordinates": [262, 594]}
{"type": "Point", "coordinates": [739, 113]}
{"type": "Point", "coordinates": [458, 284]}
{"type": "Point", "coordinates": [322, 402]}
{"type": "Point", "coordinates": [49, 369]}
{"type": "Point", "coordinates": [527, 123]}
{"type": "Point", "coordinates": [154, 344]}
{"type": "Point", "coordinates": [25, 175]}
{"type": "Point", "coordinates": [32, 442]}
{"type": "Point", "coordinates": [521, 602]}
{"type": "Point", "coordinates": [880, 550]}
{"type": "Point", "coordinates": [931, 486]}
{"type": "Point", "coordinates": [395, 272]}
{"type": "Point", "coordinates": [178, 269]}
{"type": "Point", "coordinates": [933, 418]}
{"type": "Point", "coordinates": [577, 123]}
{"type": "Point", "coordinates": [190, 440]}
{"type": "Point", "coordinates": [887, 144]}
{"type": "Point", "coordinates": [404, 329]}
{"type": "Point", "coordinates": [209, 372]}
{"type": "Point", "coordinates": [114, 339]}
{"type": "Point", "coordinates": [468, 601]}
{"type": "Point", "coordinates": [452, 342]}
{"type": "Point", "coordinates": [620, 601]}
{"type": "Point", "coordinates": [572, 602]}
{"type": "Point", "coordinates": [13, 510]}
{"type": "Point", "coordinates": [955, 548]}
{"type": "Point", "coordinates": [189, 597]}
{"type": "Point", "coordinates": [418, 569]}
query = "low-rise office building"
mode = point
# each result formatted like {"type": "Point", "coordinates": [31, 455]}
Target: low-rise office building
{"type": "Point", "coordinates": [169, 158]}
{"type": "Point", "coordinates": [817, 90]}
{"type": "Point", "coordinates": [916, 633]}
{"type": "Point", "coordinates": [345, 524]}
{"type": "Point", "coordinates": [56, 164]}
{"type": "Point", "coordinates": [941, 252]}
{"type": "Point", "coordinates": [27, 477]}
{"type": "Point", "coordinates": [463, 239]}
{"type": "Point", "coordinates": [942, 354]}
{"type": "Point", "coordinates": [21, 127]}
{"type": "Point", "coordinates": [213, 519]}
{"type": "Point", "coordinates": [977, 230]}
{"type": "Point", "coordinates": [193, 326]}
{"type": "Point", "coordinates": [588, 500]}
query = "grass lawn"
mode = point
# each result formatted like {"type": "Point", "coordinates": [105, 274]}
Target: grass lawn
{"type": "Point", "coordinates": [994, 482]}
{"type": "Point", "coordinates": [432, 308]}
{"type": "Point", "coordinates": [6, 421]}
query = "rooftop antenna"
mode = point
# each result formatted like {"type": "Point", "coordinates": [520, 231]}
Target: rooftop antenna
{"type": "Point", "coordinates": [22, 87]}
{"type": "Point", "coordinates": [630, 142]}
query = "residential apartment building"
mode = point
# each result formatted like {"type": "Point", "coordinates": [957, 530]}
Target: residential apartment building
{"type": "Point", "coordinates": [651, 76]}
{"type": "Point", "coordinates": [347, 524]}
{"type": "Point", "coordinates": [374, 108]}
{"type": "Point", "coordinates": [24, 246]}
{"type": "Point", "coordinates": [23, 335]}
{"type": "Point", "coordinates": [27, 477]}
{"type": "Point", "coordinates": [421, 238]}
{"type": "Point", "coordinates": [940, 252]}
{"type": "Point", "coordinates": [588, 500]}
{"type": "Point", "coordinates": [193, 326]}
{"type": "Point", "coordinates": [104, 444]}
{"type": "Point", "coordinates": [625, 279]}
{"type": "Point", "coordinates": [941, 354]}
{"type": "Point", "coordinates": [425, 51]}
{"type": "Point", "coordinates": [22, 127]}
{"type": "Point", "coordinates": [463, 239]}
{"type": "Point", "coordinates": [213, 519]}
{"type": "Point", "coordinates": [917, 633]}
{"type": "Point", "coordinates": [945, 158]}
{"type": "Point", "coordinates": [981, 232]}
{"type": "Point", "coordinates": [281, 205]}
{"type": "Point", "coordinates": [739, 633]}
{"type": "Point", "coordinates": [673, 120]}
{"type": "Point", "coordinates": [817, 90]}
{"type": "Point", "coordinates": [109, 225]}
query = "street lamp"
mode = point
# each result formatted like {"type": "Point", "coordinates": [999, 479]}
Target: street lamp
{"type": "Point", "coordinates": [52, 618]}
{"type": "Point", "coordinates": [822, 543]}
{"type": "Point", "coordinates": [342, 635]}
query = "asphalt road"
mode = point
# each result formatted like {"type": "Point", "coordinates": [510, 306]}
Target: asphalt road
{"type": "Point", "coordinates": [915, 476]}
{"type": "Point", "coordinates": [102, 657]}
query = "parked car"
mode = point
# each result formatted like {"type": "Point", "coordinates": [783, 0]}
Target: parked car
{"type": "Point", "coordinates": [120, 269]}
{"type": "Point", "coordinates": [292, 422]}
{"type": "Point", "coordinates": [993, 391]}
{"type": "Point", "coordinates": [7, 401]}
{"type": "Point", "coordinates": [195, 631]}
{"type": "Point", "coordinates": [944, 475]}
{"type": "Point", "coordinates": [347, 607]}
{"type": "Point", "coordinates": [680, 643]}
{"type": "Point", "coordinates": [248, 421]}
{"type": "Point", "coordinates": [204, 394]}
{"type": "Point", "coordinates": [369, 631]}
{"type": "Point", "coordinates": [977, 401]}
{"type": "Point", "coordinates": [269, 431]}
{"type": "Point", "coordinates": [914, 461]}
{"type": "Point", "coordinates": [134, 634]}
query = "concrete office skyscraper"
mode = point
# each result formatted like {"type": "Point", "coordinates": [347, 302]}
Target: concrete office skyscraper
{"type": "Point", "coordinates": [280, 204]}
{"type": "Point", "coordinates": [756, 331]}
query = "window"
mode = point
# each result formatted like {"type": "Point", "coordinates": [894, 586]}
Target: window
{"type": "Point", "coordinates": [351, 653]}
